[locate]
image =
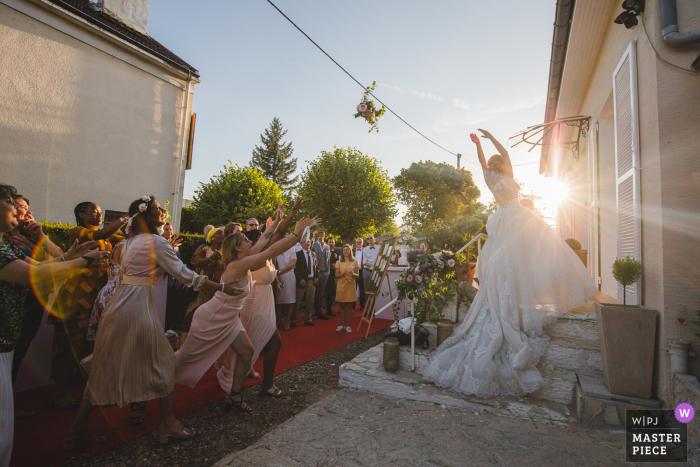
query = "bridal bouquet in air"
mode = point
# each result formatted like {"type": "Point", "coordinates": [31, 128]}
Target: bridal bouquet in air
{"type": "Point", "coordinates": [367, 110]}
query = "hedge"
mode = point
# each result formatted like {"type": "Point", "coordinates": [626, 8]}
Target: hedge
{"type": "Point", "coordinates": [59, 234]}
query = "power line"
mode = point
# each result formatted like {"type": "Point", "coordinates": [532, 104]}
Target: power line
{"type": "Point", "coordinates": [361, 85]}
{"type": "Point", "coordinates": [371, 94]}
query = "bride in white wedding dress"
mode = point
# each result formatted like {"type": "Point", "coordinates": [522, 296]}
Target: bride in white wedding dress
{"type": "Point", "coordinates": [529, 277]}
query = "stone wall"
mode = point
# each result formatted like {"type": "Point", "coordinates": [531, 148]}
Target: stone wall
{"type": "Point", "coordinates": [687, 389]}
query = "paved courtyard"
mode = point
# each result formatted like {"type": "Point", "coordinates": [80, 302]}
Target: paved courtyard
{"type": "Point", "coordinates": [357, 428]}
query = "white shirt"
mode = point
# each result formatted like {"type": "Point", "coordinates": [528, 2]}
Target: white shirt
{"type": "Point", "coordinates": [369, 255]}
{"type": "Point", "coordinates": [285, 258]}
{"type": "Point", "coordinates": [308, 257]}
{"type": "Point", "coordinates": [358, 257]}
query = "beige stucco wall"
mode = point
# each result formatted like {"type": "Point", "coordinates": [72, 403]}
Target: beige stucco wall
{"type": "Point", "coordinates": [669, 146]}
{"type": "Point", "coordinates": [79, 124]}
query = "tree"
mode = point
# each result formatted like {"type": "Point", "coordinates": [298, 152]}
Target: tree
{"type": "Point", "coordinates": [274, 157]}
{"type": "Point", "coordinates": [389, 229]}
{"type": "Point", "coordinates": [442, 203]}
{"type": "Point", "coordinates": [349, 191]}
{"type": "Point", "coordinates": [236, 194]}
{"type": "Point", "coordinates": [626, 271]}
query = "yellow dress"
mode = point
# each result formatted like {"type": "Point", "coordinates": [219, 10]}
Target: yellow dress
{"type": "Point", "coordinates": [345, 291]}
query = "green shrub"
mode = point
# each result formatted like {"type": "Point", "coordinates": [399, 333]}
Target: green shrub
{"type": "Point", "coordinates": [573, 243]}
{"type": "Point", "coordinates": [626, 271]}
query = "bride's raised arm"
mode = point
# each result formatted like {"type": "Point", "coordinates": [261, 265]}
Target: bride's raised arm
{"type": "Point", "coordinates": [507, 165]}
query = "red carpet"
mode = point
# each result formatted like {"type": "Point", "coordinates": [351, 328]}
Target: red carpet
{"type": "Point", "coordinates": [39, 440]}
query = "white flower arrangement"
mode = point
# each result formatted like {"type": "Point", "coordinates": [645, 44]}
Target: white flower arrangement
{"type": "Point", "coordinates": [143, 207]}
{"type": "Point", "coordinates": [146, 198]}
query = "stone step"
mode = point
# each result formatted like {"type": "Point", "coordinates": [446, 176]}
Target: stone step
{"type": "Point", "coordinates": [596, 407]}
{"type": "Point", "coordinates": [581, 326]}
{"type": "Point", "coordinates": [366, 372]}
{"type": "Point", "coordinates": [566, 354]}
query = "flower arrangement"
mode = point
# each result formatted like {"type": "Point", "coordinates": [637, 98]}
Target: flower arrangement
{"type": "Point", "coordinates": [412, 255]}
{"type": "Point", "coordinates": [432, 282]}
{"type": "Point", "coordinates": [367, 110]}
{"type": "Point", "coordinates": [405, 238]}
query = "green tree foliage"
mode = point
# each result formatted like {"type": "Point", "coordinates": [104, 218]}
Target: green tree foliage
{"type": "Point", "coordinates": [236, 194]}
{"type": "Point", "coordinates": [349, 191]}
{"type": "Point", "coordinates": [626, 271]}
{"type": "Point", "coordinates": [189, 223]}
{"type": "Point", "coordinates": [389, 229]}
{"type": "Point", "coordinates": [442, 203]}
{"type": "Point", "coordinates": [274, 157]}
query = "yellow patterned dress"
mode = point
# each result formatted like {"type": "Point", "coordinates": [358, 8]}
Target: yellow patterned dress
{"type": "Point", "coordinates": [345, 292]}
{"type": "Point", "coordinates": [74, 301]}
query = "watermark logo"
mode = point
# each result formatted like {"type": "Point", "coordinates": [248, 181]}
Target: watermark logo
{"type": "Point", "coordinates": [684, 412]}
{"type": "Point", "coordinates": [658, 435]}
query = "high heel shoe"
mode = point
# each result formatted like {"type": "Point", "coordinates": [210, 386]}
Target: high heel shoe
{"type": "Point", "coordinates": [182, 434]}
{"type": "Point", "coordinates": [241, 406]}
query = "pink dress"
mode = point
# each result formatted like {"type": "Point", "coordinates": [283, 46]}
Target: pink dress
{"type": "Point", "coordinates": [215, 325]}
{"type": "Point", "coordinates": [258, 318]}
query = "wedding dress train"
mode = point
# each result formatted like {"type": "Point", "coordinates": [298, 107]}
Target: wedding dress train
{"type": "Point", "coordinates": [529, 277]}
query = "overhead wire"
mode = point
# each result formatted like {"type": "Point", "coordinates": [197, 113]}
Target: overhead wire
{"type": "Point", "coordinates": [371, 94]}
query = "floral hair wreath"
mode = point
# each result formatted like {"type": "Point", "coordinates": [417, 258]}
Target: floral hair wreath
{"type": "Point", "coordinates": [143, 207]}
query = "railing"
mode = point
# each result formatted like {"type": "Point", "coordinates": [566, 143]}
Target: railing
{"type": "Point", "coordinates": [478, 250]}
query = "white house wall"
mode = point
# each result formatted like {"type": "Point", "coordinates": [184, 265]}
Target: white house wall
{"type": "Point", "coordinates": [79, 124]}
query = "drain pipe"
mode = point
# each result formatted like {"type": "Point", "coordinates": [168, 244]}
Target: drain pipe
{"type": "Point", "coordinates": [669, 23]}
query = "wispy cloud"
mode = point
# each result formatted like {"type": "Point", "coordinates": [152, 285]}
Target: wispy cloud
{"type": "Point", "coordinates": [460, 103]}
{"type": "Point", "coordinates": [421, 94]}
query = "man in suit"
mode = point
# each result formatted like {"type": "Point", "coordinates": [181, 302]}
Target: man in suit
{"type": "Point", "coordinates": [323, 255]}
{"type": "Point", "coordinates": [357, 254]}
{"type": "Point", "coordinates": [306, 272]}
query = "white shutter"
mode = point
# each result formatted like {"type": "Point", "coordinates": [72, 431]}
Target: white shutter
{"type": "Point", "coordinates": [627, 165]}
{"type": "Point", "coordinates": [593, 202]}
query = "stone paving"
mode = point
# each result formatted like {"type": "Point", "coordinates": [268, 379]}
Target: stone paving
{"type": "Point", "coordinates": [357, 428]}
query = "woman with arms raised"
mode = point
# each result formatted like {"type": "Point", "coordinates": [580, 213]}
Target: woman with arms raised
{"type": "Point", "coordinates": [529, 277]}
{"type": "Point", "coordinates": [17, 274]}
{"type": "Point", "coordinates": [216, 325]}
{"type": "Point", "coordinates": [133, 360]}
{"type": "Point", "coordinates": [258, 316]}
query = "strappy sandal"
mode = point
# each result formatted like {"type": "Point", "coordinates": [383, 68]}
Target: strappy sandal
{"type": "Point", "coordinates": [137, 420]}
{"type": "Point", "coordinates": [230, 404]}
{"type": "Point", "coordinates": [70, 443]}
{"type": "Point", "coordinates": [274, 391]}
{"type": "Point", "coordinates": [185, 433]}
{"type": "Point", "coordinates": [252, 374]}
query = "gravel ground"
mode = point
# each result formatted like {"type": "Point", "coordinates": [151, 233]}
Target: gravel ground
{"type": "Point", "coordinates": [220, 434]}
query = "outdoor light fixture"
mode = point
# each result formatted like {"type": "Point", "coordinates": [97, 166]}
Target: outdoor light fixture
{"type": "Point", "coordinates": [633, 8]}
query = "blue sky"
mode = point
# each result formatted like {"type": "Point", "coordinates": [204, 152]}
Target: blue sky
{"type": "Point", "coordinates": [447, 67]}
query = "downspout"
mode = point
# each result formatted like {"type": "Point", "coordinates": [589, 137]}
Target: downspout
{"type": "Point", "coordinates": [669, 23]}
{"type": "Point", "coordinates": [178, 188]}
{"type": "Point", "coordinates": [560, 44]}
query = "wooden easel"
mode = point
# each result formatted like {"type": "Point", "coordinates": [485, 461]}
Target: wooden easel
{"type": "Point", "coordinates": [374, 286]}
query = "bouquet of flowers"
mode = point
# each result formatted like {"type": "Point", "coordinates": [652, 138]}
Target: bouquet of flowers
{"type": "Point", "coordinates": [405, 238]}
{"type": "Point", "coordinates": [367, 110]}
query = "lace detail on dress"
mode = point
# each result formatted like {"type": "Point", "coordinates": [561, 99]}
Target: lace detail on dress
{"type": "Point", "coordinates": [504, 189]}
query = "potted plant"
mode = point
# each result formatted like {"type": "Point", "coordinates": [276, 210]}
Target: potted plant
{"type": "Point", "coordinates": [627, 337]}
{"type": "Point", "coordinates": [413, 255]}
{"type": "Point", "coordinates": [576, 246]}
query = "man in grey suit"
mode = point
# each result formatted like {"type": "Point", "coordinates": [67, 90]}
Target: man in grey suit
{"type": "Point", "coordinates": [323, 258]}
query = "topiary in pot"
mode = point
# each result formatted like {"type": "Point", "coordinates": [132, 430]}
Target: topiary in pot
{"type": "Point", "coordinates": [626, 271]}
{"type": "Point", "coordinates": [573, 243]}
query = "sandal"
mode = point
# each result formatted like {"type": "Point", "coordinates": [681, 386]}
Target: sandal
{"type": "Point", "coordinates": [91, 440]}
{"type": "Point", "coordinates": [185, 433]}
{"type": "Point", "coordinates": [241, 406]}
{"type": "Point", "coordinates": [135, 419]}
{"type": "Point", "coordinates": [274, 391]}
{"type": "Point", "coordinates": [252, 374]}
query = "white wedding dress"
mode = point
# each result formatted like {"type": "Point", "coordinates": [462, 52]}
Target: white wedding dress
{"type": "Point", "coordinates": [529, 277]}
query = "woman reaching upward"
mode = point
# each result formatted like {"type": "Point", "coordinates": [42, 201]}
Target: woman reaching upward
{"type": "Point", "coordinates": [529, 277]}
{"type": "Point", "coordinates": [216, 325]}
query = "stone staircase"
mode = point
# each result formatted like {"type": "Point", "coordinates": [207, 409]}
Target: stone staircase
{"type": "Point", "coordinates": [571, 366]}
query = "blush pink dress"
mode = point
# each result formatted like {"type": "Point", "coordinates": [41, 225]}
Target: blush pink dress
{"type": "Point", "coordinates": [258, 318]}
{"type": "Point", "coordinates": [215, 325]}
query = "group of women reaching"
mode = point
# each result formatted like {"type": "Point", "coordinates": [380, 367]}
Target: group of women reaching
{"type": "Point", "coordinates": [132, 360]}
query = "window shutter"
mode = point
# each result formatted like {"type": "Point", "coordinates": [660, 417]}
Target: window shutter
{"type": "Point", "coordinates": [627, 165]}
{"type": "Point", "coordinates": [593, 203]}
